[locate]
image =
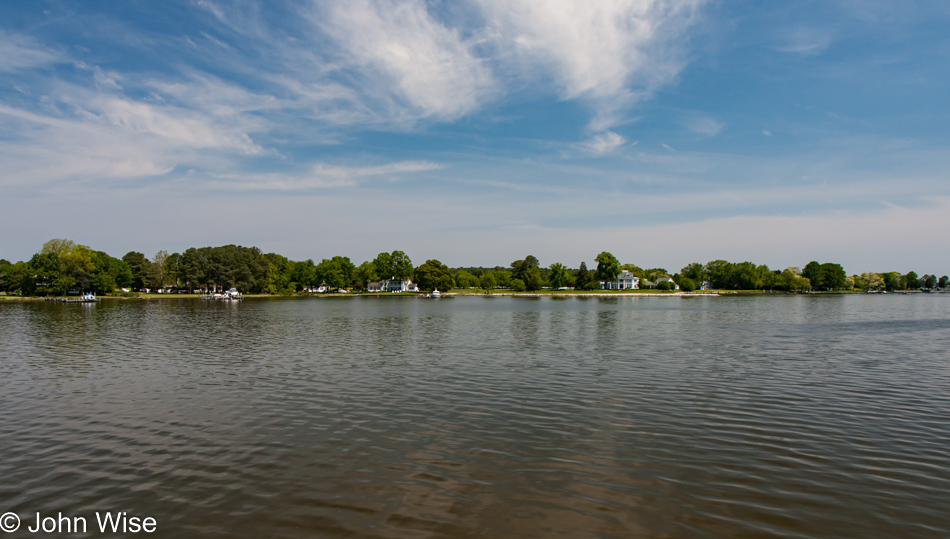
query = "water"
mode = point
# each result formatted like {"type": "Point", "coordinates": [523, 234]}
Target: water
{"type": "Point", "coordinates": [783, 416]}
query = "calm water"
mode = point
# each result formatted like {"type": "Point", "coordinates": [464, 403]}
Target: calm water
{"type": "Point", "coordinates": [483, 417]}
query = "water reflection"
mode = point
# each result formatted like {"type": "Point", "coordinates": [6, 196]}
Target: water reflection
{"type": "Point", "coordinates": [478, 417]}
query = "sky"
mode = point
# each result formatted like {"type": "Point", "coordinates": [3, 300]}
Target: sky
{"type": "Point", "coordinates": [478, 132]}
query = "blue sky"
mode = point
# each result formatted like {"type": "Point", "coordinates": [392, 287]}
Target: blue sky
{"type": "Point", "coordinates": [663, 131]}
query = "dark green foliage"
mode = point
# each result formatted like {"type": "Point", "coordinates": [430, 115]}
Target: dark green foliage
{"type": "Point", "coordinates": [464, 279]}
{"type": "Point", "coordinates": [140, 268]}
{"type": "Point", "coordinates": [695, 271]}
{"type": "Point", "coordinates": [395, 265]}
{"type": "Point", "coordinates": [517, 285]}
{"type": "Point", "coordinates": [608, 267]}
{"type": "Point", "coordinates": [558, 275]}
{"type": "Point", "coordinates": [686, 284]}
{"type": "Point", "coordinates": [434, 275]}
{"type": "Point", "coordinates": [528, 272]}
{"type": "Point", "coordinates": [583, 278]}
{"type": "Point", "coordinates": [62, 266]}
{"type": "Point", "coordinates": [487, 282]}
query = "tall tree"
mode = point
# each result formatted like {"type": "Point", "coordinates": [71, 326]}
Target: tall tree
{"type": "Point", "coordinates": [157, 276]}
{"type": "Point", "coordinates": [695, 271]}
{"type": "Point", "coordinates": [487, 282]}
{"type": "Point", "coordinates": [365, 274]}
{"type": "Point", "coordinates": [434, 275]}
{"type": "Point", "coordinates": [559, 275]}
{"type": "Point", "coordinates": [464, 279]}
{"type": "Point", "coordinates": [911, 281]}
{"type": "Point", "coordinates": [583, 279]}
{"type": "Point", "coordinates": [395, 265]}
{"type": "Point", "coordinates": [869, 281]}
{"type": "Point", "coordinates": [519, 268]}
{"type": "Point", "coordinates": [140, 267]}
{"type": "Point", "coordinates": [608, 267]}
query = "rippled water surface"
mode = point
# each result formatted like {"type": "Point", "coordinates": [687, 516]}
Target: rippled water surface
{"type": "Point", "coordinates": [483, 417]}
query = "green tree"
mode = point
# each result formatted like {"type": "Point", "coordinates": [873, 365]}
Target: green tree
{"type": "Point", "coordinates": [337, 272]}
{"type": "Point", "coordinates": [140, 267]}
{"type": "Point", "coordinates": [892, 280]}
{"type": "Point", "coordinates": [6, 276]}
{"type": "Point", "coordinates": [720, 273]}
{"type": "Point", "coordinates": [869, 281]}
{"type": "Point", "coordinates": [434, 275]}
{"type": "Point", "coordinates": [520, 268]}
{"type": "Point", "coordinates": [911, 281]}
{"type": "Point", "coordinates": [812, 271]}
{"type": "Point", "coordinates": [608, 267]}
{"type": "Point", "coordinates": [832, 276]}
{"type": "Point", "coordinates": [464, 279]}
{"type": "Point", "coordinates": [634, 270]}
{"type": "Point", "coordinates": [686, 284]}
{"type": "Point", "coordinates": [694, 271]}
{"type": "Point", "coordinates": [366, 273]}
{"type": "Point", "coordinates": [942, 282]}
{"type": "Point", "coordinates": [559, 276]}
{"type": "Point", "coordinates": [394, 265]}
{"type": "Point", "coordinates": [157, 277]}
{"type": "Point", "coordinates": [517, 285]}
{"type": "Point", "coordinates": [582, 279]}
{"type": "Point", "coordinates": [487, 282]}
{"type": "Point", "coordinates": [401, 265]}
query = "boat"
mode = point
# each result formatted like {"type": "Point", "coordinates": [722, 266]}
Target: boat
{"type": "Point", "coordinates": [231, 294]}
{"type": "Point", "coordinates": [436, 294]}
{"type": "Point", "coordinates": [88, 297]}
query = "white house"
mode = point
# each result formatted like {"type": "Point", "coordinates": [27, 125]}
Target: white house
{"type": "Point", "coordinates": [624, 281]}
{"type": "Point", "coordinates": [392, 285]}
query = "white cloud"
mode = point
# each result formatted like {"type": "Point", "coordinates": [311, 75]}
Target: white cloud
{"type": "Point", "coordinates": [703, 125]}
{"type": "Point", "coordinates": [766, 132]}
{"type": "Point", "coordinates": [603, 143]}
{"type": "Point", "coordinates": [424, 63]}
{"type": "Point", "coordinates": [181, 127]}
{"type": "Point", "coordinates": [806, 41]}
{"type": "Point", "coordinates": [21, 52]}
{"type": "Point", "coordinates": [611, 53]}
{"type": "Point", "coordinates": [320, 176]}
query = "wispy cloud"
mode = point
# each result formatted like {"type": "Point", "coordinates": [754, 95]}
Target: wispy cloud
{"type": "Point", "coordinates": [703, 125]}
{"type": "Point", "coordinates": [609, 53]}
{"type": "Point", "coordinates": [806, 41]}
{"type": "Point", "coordinates": [320, 176]}
{"type": "Point", "coordinates": [19, 52]}
{"type": "Point", "coordinates": [603, 143]}
{"type": "Point", "coordinates": [424, 63]}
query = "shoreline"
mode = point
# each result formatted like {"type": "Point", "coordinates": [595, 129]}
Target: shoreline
{"type": "Point", "coordinates": [559, 294]}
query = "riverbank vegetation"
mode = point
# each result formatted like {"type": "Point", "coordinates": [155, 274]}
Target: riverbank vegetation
{"type": "Point", "coordinates": [62, 267]}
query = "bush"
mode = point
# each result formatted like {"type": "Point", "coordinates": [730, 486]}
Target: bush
{"type": "Point", "coordinates": [687, 284]}
{"type": "Point", "coordinates": [517, 285]}
{"type": "Point", "coordinates": [666, 286]}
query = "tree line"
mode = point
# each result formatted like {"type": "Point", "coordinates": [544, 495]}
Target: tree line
{"type": "Point", "coordinates": [62, 266]}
